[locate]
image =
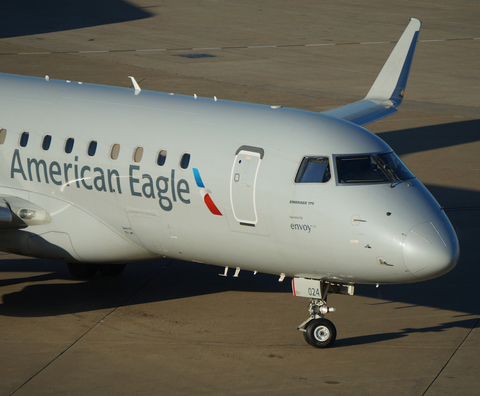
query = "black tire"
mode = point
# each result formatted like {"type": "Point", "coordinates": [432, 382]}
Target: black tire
{"type": "Point", "coordinates": [81, 270]}
{"type": "Point", "coordinates": [111, 269]}
{"type": "Point", "coordinates": [306, 338]}
{"type": "Point", "coordinates": [320, 333]}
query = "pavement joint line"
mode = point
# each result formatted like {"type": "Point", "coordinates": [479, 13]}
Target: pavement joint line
{"type": "Point", "coordinates": [263, 46]}
{"type": "Point", "coordinates": [150, 50]}
{"type": "Point", "coordinates": [431, 41]}
{"type": "Point", "coordinates": [31, 53]}
{"type": "Point", "coordinates": [93, 327]}
{"type": "Point", "coordinates": [203, 49]}
{"type": "Point", "coordinates": [234, 47]}
{"type": "Point", "coordinates": [376, 42]}
{"type": "Point", "coordinates": [451, 357]}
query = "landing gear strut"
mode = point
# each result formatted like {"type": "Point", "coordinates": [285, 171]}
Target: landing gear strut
{"type": "Point", "coordinates": [318, 331]}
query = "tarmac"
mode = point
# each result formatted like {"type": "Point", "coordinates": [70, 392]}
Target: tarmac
{"type": "Point", "coordinates": [177, 328]}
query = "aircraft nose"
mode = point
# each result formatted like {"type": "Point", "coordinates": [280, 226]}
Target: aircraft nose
{"type": "Point", "coordinates": [430, 249]}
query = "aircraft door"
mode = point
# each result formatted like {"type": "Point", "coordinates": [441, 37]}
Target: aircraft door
{"type": "Point", "coordinates": [243, 184]}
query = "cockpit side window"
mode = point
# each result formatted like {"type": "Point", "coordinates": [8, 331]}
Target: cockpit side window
{"type": "Point", "coordinates": [313, 170]}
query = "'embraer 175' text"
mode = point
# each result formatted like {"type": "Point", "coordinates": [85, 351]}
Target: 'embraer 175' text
{"type": "Point", "coordinates": [163, 188]}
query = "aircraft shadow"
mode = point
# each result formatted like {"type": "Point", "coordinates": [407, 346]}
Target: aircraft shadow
{"type": "Point", "coordinates": [140, 283]}
{"type": "Point", "coordinates": [375, 338]}
{"type": "Point", "coordinates": [414, 140]}
{"type": "Point", "coordinates": [27, 17]}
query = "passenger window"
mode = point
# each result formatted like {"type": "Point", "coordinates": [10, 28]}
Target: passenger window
{"type": "Point", "coordinates": [69, 145]}
{"type": "Point", "coordinates": [138, 154]}
{"type": "Point", "coordinates": [24, 139]}
{"type": "Point", "coordinates": [47, 140]}
{"type": "Point", "coordinates": [184, 161]}
{"type": "Point", "coordinates": [92, 148]}
{"type": "Point", "coordinates": [3, 135]}
{"type": "Point", "coordinates": [162, 157]}
{"type": "Point", "coordinates": [313, 170]}
{"type": "Point", "coordinates": [115, 151]}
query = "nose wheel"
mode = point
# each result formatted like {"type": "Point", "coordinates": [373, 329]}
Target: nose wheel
{"type": "Point", "coordinates": [320, 333]}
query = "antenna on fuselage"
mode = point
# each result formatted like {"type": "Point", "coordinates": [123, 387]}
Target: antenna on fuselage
{"type": "Point", "coordinates": [135, 85]}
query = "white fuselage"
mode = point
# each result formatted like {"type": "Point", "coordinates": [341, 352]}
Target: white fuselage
{"type": "Point", "coordinates": [236, 203]}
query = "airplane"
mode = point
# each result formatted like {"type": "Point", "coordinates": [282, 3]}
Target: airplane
{"type": "Point", "coordinates": [99, 176]}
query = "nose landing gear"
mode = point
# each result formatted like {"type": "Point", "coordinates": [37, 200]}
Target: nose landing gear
{"type": "Point", "coordinates": [318, 331]}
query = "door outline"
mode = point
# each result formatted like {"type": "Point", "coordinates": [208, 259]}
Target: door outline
{"type": "Point", "coordinates": [243, 184]}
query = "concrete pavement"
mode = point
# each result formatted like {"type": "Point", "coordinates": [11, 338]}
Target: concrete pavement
{"type": "Point", "coordinates": [178, 328]}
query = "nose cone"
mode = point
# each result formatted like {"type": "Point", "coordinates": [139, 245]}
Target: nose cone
{"type": "Point", "coordinates": [431, 249]}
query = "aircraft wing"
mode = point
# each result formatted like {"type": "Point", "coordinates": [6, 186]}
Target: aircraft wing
{"type": "Point", "coordinates": [388, 89]}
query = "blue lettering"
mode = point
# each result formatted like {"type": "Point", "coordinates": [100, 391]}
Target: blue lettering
{"type": "Point", "coordinates": [59, 175]}
{"type": "Point", "coordinates": [82, 176]}
{"type": "Point", "coordinates": [14, 169]}
{"type": "Point", "coordinates": [148, 186]}
{"type": "Point", "coordinates": [99, 179]}
{"type": "Point", "coordinates": [55, 172]}
{"type": "Point", "coordinates": [173, 186]}
{"type": "Point", "coordinates": [110, 173]}
{"type": "Point", "coordinates": [132, 180]}
{"type": "Point", "coordinates": [66, 167]}
{"type": "Point", "coordinates": [161, 199]}
{"type": "Point", "coordinates": [37, 164]}
{"type": "Point", "coordinates": [77, 179]}
{"type": "Point", "coordinates": [183, 190]}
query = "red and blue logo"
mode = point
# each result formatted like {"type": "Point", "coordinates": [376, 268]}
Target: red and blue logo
{"type": "Point", "coordinates": [205, 194]}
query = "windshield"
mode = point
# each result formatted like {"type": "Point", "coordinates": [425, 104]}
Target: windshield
{"type": "Point", "coordinates": [368, 168]}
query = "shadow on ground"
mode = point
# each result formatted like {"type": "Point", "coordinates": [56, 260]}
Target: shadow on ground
{"type": "Point", "coordinates": [27, 17]}
{"type": "Point", "coordinates": [415, 140]}
{"type": "Point", "coordinates": [374, 338]}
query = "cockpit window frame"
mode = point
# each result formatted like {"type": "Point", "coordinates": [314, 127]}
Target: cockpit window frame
{"type": "Point", "coordinates": [390, 176]}
{"type": "Point", "coordinates": [303, 165]}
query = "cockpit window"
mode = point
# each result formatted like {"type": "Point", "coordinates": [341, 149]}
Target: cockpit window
{"type": "Point", "coordinates": [380, 168]}
{"type": "Point", "coordinates": [360, 169]}
{"type": "Point", "coordinates": [313, 170]}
